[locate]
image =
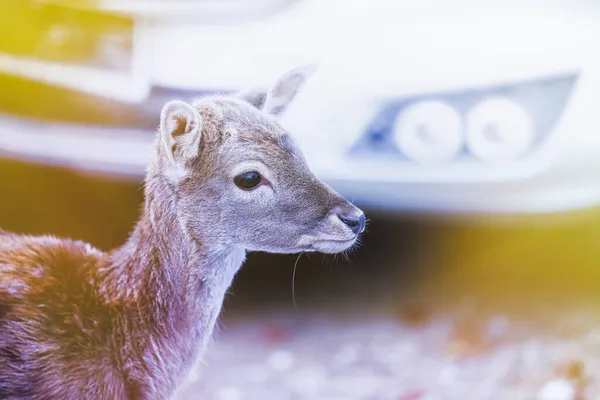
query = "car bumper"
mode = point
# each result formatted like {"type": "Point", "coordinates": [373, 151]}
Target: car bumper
{"type": "Point", "coordinates": [554, 191]}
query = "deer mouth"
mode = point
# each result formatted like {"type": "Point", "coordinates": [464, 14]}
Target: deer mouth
{"type": "Point", "coordinates": [333, 246]}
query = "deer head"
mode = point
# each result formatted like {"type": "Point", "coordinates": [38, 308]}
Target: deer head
{"type": "Point", "coordinates": [240, 179]}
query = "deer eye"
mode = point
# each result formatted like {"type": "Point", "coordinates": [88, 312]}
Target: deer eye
{"type": "Point", "coordinates": [248, 180]}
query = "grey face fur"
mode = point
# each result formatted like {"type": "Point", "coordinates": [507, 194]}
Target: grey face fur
{"type": "Point", "coordinates": [205, 146]}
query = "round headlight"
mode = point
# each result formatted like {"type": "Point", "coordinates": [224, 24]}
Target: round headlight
{"type": "Point", "coordinates": [498, 130]}
{"type": "Point", "coordinates": [429, 132]}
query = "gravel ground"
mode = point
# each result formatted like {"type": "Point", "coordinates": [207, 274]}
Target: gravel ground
{"type": "Point", "coordinates": [414, 357]}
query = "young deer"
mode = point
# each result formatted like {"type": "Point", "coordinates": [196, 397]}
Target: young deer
{"type": "Point", "coordinates": [226, 178]}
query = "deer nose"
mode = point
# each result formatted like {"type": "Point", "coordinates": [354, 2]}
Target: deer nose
{"type": "Point", "coordinates": [356, 224]}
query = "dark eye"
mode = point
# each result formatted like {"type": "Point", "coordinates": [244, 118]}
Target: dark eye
{"type": "Point", "coordinates": [248, 180]}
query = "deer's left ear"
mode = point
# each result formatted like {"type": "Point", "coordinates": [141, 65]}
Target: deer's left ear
{"type": "Point", "coordinates": [276, 99]}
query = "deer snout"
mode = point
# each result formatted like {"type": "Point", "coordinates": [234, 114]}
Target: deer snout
{"type": "Point", "coordinates": [351, 217]}
{"type": "Point", "coordinates": [340, 229]}
{"type": "Point", "coordinates": [354, 222]}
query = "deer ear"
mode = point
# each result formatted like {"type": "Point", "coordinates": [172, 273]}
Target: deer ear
{"type": "Point", "coordinates": [276, 99]}
{"type": "Point", "coordinates": [280, 95]}
{"type": "Point", "coordinates": [180, 130]}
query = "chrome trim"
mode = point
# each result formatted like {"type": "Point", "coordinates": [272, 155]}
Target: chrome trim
{"type": "Point", "coordinates": [122, 151]}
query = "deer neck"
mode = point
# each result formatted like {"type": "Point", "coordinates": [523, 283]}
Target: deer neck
{"type": "Point", "coordinates": [176, 283]}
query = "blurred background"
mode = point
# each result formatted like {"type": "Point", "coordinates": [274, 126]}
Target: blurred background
{"type": "Point", "coordinates": [468, 131]}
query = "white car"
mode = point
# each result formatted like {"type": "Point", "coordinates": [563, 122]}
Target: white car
{"type": "Point", "coordinates": [468, 106]}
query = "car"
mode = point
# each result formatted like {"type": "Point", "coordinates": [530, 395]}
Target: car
{"type": "Point", "coordinates": [461, 107]}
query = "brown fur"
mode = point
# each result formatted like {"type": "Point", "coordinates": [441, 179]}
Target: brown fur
{"type": "Point", "coordinates": [78, 323]}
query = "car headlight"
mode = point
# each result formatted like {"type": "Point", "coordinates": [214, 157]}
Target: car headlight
{"type": "Point", "coordinates": [429, 131]}
{"type": "Point", "coordinates": [495, 124]}
{"type": "Point", "coordinates": [498, 129]}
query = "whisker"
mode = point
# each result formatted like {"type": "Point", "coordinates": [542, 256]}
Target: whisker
{"type": "Point", "coordinates": [346, 255]}
{"type": "Point", "coordinates": [328, 260]}
{"type": "Point", "coordinates": [294, 283]}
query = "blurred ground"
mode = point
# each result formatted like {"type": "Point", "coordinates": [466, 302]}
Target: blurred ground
{"type": "Point", "coordinates": [458, 311]}
{"type": "Point", "coordinates": [426, 309]}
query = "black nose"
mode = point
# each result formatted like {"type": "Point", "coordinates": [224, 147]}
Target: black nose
{"type": "Point", "coordinates": [356, 224]}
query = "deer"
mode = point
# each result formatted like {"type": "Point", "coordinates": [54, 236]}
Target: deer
{"type": "Point", "coordinates": [225, 178]}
